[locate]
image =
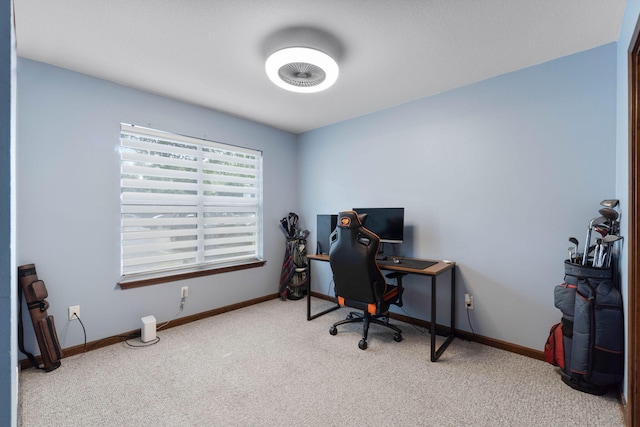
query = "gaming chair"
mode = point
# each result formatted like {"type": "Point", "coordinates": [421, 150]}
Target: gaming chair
{"type": "Point", "coordinates": [359, 283]}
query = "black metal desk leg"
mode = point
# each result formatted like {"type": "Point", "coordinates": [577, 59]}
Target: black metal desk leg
{"type": "Point", "coordinates": [453, 301]}
{"type": "Point", "coordinates": [433, 319]}
{"type": "Point", "coordinates": [309, 316]}
{"type": "Point", "coordinates": [308, 290]}
{"type": "Point", "coordinates": [436, 353]}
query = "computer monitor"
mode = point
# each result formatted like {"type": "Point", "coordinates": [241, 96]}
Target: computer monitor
{"type": "Point", "coordinates": [387, 223]}
{"type": "Point", "coordinates": [326, 225]}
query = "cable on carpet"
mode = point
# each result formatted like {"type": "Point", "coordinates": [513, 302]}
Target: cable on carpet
{"type": "Point", "coordinates": [421, 331]}
{"type": "Point", "coordinates": [155, 341]}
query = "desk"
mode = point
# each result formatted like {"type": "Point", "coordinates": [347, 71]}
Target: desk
{"type": "Point", "coordinates": [433, 271]}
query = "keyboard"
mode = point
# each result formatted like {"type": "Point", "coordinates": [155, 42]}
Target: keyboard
{"type": "Point", "coordinates": [418, 264]}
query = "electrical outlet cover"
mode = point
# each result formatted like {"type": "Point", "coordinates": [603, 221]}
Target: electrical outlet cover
{"type": "Point", "coordinates": [74, 311]}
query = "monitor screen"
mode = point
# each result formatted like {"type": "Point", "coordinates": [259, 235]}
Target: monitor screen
{"type": "Point", "coordinates": [387, 223]}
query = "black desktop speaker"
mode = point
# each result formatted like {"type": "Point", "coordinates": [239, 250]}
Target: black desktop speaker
{"type": "Point", "coordinates": [326, 224]}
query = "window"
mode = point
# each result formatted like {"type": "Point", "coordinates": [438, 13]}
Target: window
{"type": "Point", "coordinates": [186, 204]}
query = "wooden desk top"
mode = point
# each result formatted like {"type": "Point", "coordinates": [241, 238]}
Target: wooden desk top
{"type": "Point", "coordinates": [434, 270]}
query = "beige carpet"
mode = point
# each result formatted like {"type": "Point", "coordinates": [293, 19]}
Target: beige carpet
{"type": "Point", "coordinates": [266, 365]}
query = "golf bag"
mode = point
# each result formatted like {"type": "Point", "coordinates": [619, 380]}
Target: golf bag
{"type": "Point", "coordinates": [293, 278]}
{"type": "Point", "coordinates": [592, 328]}
{"type": "Point", "coordinates": [35, 293]}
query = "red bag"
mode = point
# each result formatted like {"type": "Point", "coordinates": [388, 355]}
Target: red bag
{"type": "Point", "coordinates": [554, 348]}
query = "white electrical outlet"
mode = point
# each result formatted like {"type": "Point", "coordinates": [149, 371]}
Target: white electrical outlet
{"type": "Point", "coordinates": [468, 301]}
{"type": "Point", "coordinates": [74, 312]}
{"type": "Point", "coordinates": [184, 292]}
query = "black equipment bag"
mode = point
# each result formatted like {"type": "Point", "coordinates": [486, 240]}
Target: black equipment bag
{"type": "Point", "coordinates": [593, 328]}
{"type": "Point", "coordinates": [35, 294]}
{"type": "Point", "coordinates": [293, 277]}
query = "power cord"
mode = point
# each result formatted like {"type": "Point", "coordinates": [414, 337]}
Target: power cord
{"type": "Point", "coordinates": [84, 331]}
{"type": "Point", "coordinates": [174, 317]}
{"type": "Point", "coordinates": [155, 341]}
{"type": "Point", "coordinates": [329, 288]}
{"type": "Point", "coordinates": [473, 333]}
{"type": "Point", "coordinates": [421, 331]}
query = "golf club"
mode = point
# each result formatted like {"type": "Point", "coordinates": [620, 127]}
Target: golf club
{"type": "Point", "coordinates": [612, 216]}
{"type": "Point", "coordinates": [592, 223]}
{"type": "Point", "coordinates": [575, 243]}
{"type": "Point", "coordinates": [598, 255]}
{"type": "Point", "coordinates": [285, 226]}
{"type": "Point", "coordinates": [609, 213]}
{"type": "Point", "coordinates": [575, 252]}
{"type": "Point", "coordinates": [602, 229]}
{"type": "Point", "coordinates": [610, 240]}
{"type": "Point", "coordinates": [610, 203]}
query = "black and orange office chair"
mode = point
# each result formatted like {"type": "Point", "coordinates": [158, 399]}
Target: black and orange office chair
{"type": "Point", "coordinates": [359, 283]}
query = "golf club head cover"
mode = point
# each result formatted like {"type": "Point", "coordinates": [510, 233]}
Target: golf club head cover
{"type": "Point", "coordinates": [35, 293]}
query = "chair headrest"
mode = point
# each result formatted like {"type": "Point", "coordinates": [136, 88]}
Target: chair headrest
{"type": "Point", "coordinates": [351, 219]}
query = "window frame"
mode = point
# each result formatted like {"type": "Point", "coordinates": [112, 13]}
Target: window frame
{"type": "Point", "coordinates": [206, 201]}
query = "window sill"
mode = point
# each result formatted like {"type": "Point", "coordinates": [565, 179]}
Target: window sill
{"type": "Point", "coordinates": [187, 274]}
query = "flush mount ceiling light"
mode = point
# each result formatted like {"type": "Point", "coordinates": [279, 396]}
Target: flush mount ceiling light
{"type": "Point", "coordinates": [301, 69]}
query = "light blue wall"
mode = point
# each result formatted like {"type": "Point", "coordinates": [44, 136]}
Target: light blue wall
{"type": "Point", "coordinates": [8, 340]}
{"type": "Point", "coordinates": [495, 176]}
{"type": "Point", "coordinates": [622, 144]}
{"type": "Point", "coordinates": [68, 199]}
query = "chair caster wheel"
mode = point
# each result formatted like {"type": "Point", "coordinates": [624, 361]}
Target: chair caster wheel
{"type": "Point", "coordinates": [333, 330]}
{"type": "Point", "coordinates": [397, 337]}
{"type": "Point", "coordinates": [362, 345]}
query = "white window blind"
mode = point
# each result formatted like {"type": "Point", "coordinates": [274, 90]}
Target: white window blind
{"type": "Point", "coordinates": [186, 202]}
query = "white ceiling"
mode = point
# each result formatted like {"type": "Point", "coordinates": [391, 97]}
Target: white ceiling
{"type": "Point", "coordinates": [212, 52]}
